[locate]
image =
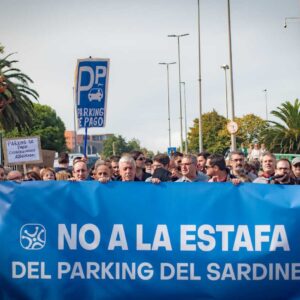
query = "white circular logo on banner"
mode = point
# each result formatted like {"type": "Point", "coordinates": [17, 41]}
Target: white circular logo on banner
{"type": "Point", "coordinates": [33, 236]}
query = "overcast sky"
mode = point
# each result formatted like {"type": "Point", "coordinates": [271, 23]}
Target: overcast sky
{"type": "Point", "coordinates": [49, 37]}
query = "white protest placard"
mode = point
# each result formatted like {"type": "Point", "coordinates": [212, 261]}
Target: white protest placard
{"type": "Point", "coordinates": [18, 151]}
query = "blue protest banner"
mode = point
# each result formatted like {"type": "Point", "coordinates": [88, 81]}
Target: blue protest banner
{"type": "Point", "coordinates": [91, 91]}
{"type": "Point", "coordinates": [86, 240]}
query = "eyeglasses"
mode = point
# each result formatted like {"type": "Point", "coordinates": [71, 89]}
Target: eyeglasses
{"type": "Point", "coordinates": [238, 159]}
{"type": "Point", "coordinates": [141, 158]}
{"type": "Point", "coordinates": [297, 166]}
{"type": "Point", "coordinates": [186, 164]}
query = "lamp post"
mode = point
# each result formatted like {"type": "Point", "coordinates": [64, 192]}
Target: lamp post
{"type": "Point", "coordinates": [185, 119]}
{"type": "Point", "coordinates": [168, 87]}
{"type": "Point", "coordinates": [75, 118]}
{"type": "Point", "coordinates": [233, 137]}
{"type": "Point", "coordinates": [178, 36]}
{"type": "Point", "coordinates": [287, 19]}
{"type": "Point", "coordinates": [266, 98]}
{"type": "Point", "coordinates": [225, 68]}
{"type": "Point", "coordinates": [200, 88]}
{"type": "Point", "coordinates": [114, 148]}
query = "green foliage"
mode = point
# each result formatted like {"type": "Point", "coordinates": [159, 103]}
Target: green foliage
{"type": "Point", "coordinates": [215, 139]}
{"type": "Point", "coordinates": [15, 96]}
{"type": "Point", "coordinates": [250, 129]}
{"type": "Point", "coordinates": [133, 144]}
{"type": "Point", "coordinates": [47, 125]}
{"type": "Point", "coordinates": [119, 144]}
{"type": "Point", "coordinates": [148, 153]}
{"type": "Point", "coordinates": [284, 136]}
{"type": "Point", "coordinates": [116, 143]}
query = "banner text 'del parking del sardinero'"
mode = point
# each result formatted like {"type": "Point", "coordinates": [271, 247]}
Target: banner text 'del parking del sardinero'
{"type": "Point", "coordinates": [142, 241]}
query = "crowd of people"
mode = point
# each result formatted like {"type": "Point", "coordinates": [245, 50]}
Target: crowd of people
{"type": "Point", "coordinates": [256, 166]}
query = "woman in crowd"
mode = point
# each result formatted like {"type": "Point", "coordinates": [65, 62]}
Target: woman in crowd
{"type": "Point", "coordinates": [48, 174]}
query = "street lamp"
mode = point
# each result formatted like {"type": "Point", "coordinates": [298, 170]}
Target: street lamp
{"type": "Point", "coordinates": [75, 119]}
{"type": "Point", "coordinates": [200, 89]}
{"type": "Point", "coordinates": [168, 84]}
{"type": "Point", "coordinates": [266, 98]}
{"type": "Point", "coordinates": [225, 68]}
{"type": "Point", "coordinates": [178, 36]}
{"type": "Point", "coordinates": [233, 137]}
{"type": "Point", "coordinates": [185, 119]}
{"type": "Point", "coordinates": [287, 19]}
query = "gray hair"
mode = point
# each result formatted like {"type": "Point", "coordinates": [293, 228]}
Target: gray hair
{"type": "Point", "coordinates": [270, 155]}
{"type": "Point", "coordinates": [238, 152]}
{"type": "Point", "coordinates": [191, 157]}
{"type": "Point", "coordinates": [99, 162]}
{"type": "Point", "coordinates": [127, 159]}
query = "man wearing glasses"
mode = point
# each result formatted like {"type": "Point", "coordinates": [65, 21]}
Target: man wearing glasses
{"type": "Point", "coordinates": [189, 170]}
{"type": "Point", "coordinates": [237, 163]}
{"type": "Point", "coordinates": [217, 170]}
{"type": "Point", "coordinates": [283, 173]}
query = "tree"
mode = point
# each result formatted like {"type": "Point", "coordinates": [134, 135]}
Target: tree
{"type": "Point", "coordinates": [284, 136]}
{"type": "Point", "coordinates": [113, 144]}
{"type": "Point", "coordinates": [133, 144]}
{"type": "Point", "coordinates": [119, 145]}
{"type": "Point", "coordinates": [250, 129]}
{"type": "Point", "coordinates": [47, 125]}
{"type": "Point", "coordinates": [214, 140]}
{"type": "Point", "coordinates": [15, 96]}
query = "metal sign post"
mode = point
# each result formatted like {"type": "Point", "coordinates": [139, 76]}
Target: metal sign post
{"type": "Point", "coordinates": [91, 85]}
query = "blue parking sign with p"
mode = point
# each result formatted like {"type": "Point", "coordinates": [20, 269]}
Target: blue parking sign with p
{"type": "Point", "coordinates": [91, 91]}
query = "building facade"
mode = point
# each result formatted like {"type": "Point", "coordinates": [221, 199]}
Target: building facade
{"type": "Point", "coordinates": [94, 142]}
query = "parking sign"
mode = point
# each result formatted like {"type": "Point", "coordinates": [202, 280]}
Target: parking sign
{"type": "Point", "coordinates": [171, 150]}
{"type": "Point", "coordinates": [91, 91]}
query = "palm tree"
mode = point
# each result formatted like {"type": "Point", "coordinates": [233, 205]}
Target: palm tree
{"type": "Point", "coordinates": [16, 107]}
{"type": "Point", "coordinates": [284, 136]}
